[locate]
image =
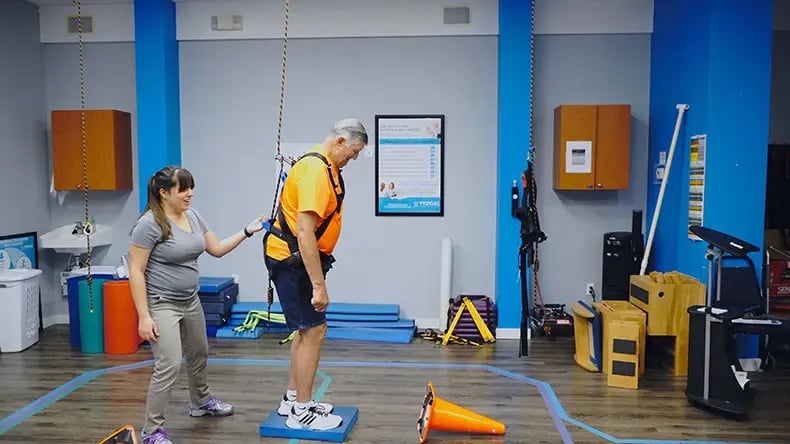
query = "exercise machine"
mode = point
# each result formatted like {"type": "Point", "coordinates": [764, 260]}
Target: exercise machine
{"type": "Point", "coordinates": [734, 306]}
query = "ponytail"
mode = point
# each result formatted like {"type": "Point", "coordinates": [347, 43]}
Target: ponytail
{"type": "Point", "coordinates": [165, 179]}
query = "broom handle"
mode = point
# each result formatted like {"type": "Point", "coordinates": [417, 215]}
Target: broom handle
{"type": "Point", "coordinates": [681, 110]}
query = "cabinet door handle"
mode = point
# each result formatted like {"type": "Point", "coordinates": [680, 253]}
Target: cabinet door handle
{"type": "Point", "coordinates": [589, 185]}
{"type": "Point", "coordinates": [600, 185]}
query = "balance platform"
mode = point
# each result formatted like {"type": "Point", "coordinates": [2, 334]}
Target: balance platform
{"type": "Point", "coordinates": [275, 427]}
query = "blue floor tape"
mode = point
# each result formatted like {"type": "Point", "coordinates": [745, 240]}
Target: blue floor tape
{"type": "Point", "coordinates": [274, 427]}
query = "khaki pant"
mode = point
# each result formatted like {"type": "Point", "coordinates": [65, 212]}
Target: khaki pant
{"type": "Point", "coordinates": [182, 329]}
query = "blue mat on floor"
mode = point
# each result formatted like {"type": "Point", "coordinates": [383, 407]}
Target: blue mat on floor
{"type": "Point", "coordinates": [340, 308]}
{"type": "Point", "coordinates": [274, 426]}
{"type": "Point", "coordinates": [338, 317]}
{"type": "Point", "coordinates": [396, 335]}
{"type": "Point", "coordinates": [402, 324]}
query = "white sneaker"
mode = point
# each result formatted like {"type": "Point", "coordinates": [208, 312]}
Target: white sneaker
{"type": "Point", "coordinates": [285, 406]}
{"type": "Point", "coordinates": [312, 418]}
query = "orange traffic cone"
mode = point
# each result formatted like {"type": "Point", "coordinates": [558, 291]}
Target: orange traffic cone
{"type": "Point", "coordinates": [438, 414]}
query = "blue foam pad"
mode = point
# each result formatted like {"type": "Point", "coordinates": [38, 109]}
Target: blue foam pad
{"type": "Point", "coordinates": [344, 308]}
{"type": "Point", "coordinates": [228, 332]}
{"type": "Point", "coordinates": [214, 285]}
{"type": "Point", "coordinates": [396, 335]}
{"type": "Point", "coordinates": [275, 427]}
{"type": "Point", "coordinates": [336, 317]}
{"type": "Point", "coordinates": [401, 323]}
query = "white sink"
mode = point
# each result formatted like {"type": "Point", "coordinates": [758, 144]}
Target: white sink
{"type": "Point", "coordinates": [62, 241]}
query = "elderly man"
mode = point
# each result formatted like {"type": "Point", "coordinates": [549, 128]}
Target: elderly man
{"type": "Point", "coordinates": [299, 254]}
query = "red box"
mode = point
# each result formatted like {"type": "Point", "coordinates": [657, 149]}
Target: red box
{"type": "Point", "coordinates": [779, 278]}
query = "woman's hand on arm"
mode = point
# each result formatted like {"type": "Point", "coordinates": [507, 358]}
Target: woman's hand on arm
{"type": "Point", "coordinates": [218, 248]}
{"type": "Point", "coordinates": [138, 261]}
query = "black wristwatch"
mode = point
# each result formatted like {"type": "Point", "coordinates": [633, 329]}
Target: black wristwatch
{"type": "Point", "coordinates": [247, 233]}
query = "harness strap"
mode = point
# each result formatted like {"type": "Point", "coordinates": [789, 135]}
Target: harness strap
{"type": "Point", "coordinates": [285, 232]}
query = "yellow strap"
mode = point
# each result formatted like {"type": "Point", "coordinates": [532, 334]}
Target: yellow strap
{"type": "Point", "coordinates": [450, 330]}
{"type": "Point", "coordinates": [479, 323]}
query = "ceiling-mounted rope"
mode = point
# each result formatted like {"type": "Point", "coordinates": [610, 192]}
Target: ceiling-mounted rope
{"type": "Point", "coordinates": [86, 225]}
{"type": "Point", "coordinates": [280, 158]}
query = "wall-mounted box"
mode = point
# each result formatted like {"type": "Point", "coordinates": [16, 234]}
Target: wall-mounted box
{"type": "Point", "coordinates": [108, 147]}
{"type": "Point", "coordinates": [592, 147]}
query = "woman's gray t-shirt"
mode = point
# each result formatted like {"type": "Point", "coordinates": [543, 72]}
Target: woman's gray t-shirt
{"type": "Point", "coordinates": [172, 269]}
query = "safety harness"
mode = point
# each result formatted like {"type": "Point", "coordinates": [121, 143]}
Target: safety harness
{"type": "Point", "coordinates": [284, 232]}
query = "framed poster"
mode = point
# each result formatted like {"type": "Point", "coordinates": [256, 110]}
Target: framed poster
{"type": "Point", "coordinates": [410, 165]}
{"type": "Point", "coordinates": [19, 251]}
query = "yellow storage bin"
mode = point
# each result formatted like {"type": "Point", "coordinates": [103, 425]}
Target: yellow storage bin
{"type": "Point", "coordinates": [665, 298]}
{"type": "Point", "coordinates": [615, 311]}
{"type": "Point", "coordinates": [626, 339]}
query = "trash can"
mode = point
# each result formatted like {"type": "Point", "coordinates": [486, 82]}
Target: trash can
{"type": "Point", "coordinates": [19, 315]}
{"type": "Point", "coordinates": [120, 319]}
{"type": "Point", "coordinates": [73, 285]}
{"type": "Point", "coordinates": [91, 315]}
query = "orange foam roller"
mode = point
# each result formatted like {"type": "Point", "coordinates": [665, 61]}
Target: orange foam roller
{"type": "Point", "coordinates": [120, 319]}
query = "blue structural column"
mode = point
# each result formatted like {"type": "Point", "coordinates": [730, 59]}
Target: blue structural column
{"type": "Point", "coordinates": [514, 98]}
{"type": "Point", "coordinates": [158, 115]}
{"type": "Point", "coordinates": [715, 56]}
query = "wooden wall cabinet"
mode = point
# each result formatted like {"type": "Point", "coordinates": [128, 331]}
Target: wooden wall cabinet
{"type": "Point", "coordinates": [592, 147]}
{"type": "Point", "coordinates": [109, 149]}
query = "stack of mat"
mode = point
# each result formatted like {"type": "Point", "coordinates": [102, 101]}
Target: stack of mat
{"type": "Point", "coordinates": [217, 295]}
{"type": "Point", "coordinates": [355, 321]}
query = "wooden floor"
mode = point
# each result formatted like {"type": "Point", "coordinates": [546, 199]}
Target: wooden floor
{"type": "Point", "coordinates": [543, 398]}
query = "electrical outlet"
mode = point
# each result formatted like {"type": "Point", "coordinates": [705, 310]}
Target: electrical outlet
{"type": "Point", "coordinates": [590, 289]}
{"type": "Point", "coordinates": [235, 278]}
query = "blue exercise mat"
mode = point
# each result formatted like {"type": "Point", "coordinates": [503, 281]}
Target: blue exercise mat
{"type": "Point", "coordinates": [344, 308]}
{"type": "Point", "coordinates": [339, 317]}
{"type": "Point", "coordinates": [212, 285]}
{"type": "Point", "coordinates": [392, 335]}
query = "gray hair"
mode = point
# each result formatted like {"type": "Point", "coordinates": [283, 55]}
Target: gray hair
{"type": "Point", "coordinates": [351, 129]}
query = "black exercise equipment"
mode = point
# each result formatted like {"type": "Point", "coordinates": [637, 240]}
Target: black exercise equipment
{"type": "Point", "coordinates": [735, 305]}
{"type": "Point", "coordinates": [531, 235]}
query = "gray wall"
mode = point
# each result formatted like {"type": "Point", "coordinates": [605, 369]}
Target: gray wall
{"type": "Point", "coordinates": [780, 89]}
{"type": "Point", "coordinates": [229, 111]}
{"type": "Point", "coordinates": [229, 94]}
{"type": "Point", "coordinates": [109, 83]}
{"type": "Point", "coordinates": [586, 69]}
{"type": "Point", "coordinates": [23, 145]}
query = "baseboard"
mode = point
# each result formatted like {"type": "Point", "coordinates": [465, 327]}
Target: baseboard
{"type": "Point", "coordinates": [423, 323]}
{"type": "Point", "coordinates": [511, 333]}
{"type": "Point", "coordinates": [56, 319]}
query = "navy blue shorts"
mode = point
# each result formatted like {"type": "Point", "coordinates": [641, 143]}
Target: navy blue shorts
{"type": "Point", "coordinates": [295, 292]}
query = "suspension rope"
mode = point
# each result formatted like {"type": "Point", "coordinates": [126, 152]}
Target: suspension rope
{"type": "Point", "coordinates": [279, 157]}
{"type": "Point", "coordinates": [86, 225]}
{"type": "Point", "coordinates": [533, 203]}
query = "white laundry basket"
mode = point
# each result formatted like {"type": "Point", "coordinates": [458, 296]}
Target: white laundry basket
{"type": "Point", "coordinates": [19, 301]}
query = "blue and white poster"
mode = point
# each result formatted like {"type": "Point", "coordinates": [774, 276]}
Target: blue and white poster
{"type": "Point", "coordinates": [409, 165]}
{"type": "Point", "coordinates": [18, 251]}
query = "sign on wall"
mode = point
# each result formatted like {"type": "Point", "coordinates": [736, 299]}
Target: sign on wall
{"type": "Point", "coordinates": [697, 182]}
{"type": "Point", "coordinates": [410, 165]}
{"type": "Point", "coordinates": [19, 251]}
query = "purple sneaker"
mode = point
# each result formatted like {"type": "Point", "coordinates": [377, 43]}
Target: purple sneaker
{"type": "Point", "coordinates": [213, 407]}
{"type": "Point", "coordinates": [158, 437]}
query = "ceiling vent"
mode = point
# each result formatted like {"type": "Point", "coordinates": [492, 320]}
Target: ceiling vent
{"type": "Point", "coordinates": [456, 15]}
{"type": "Point", "coordinates": [226, 22]}
{"type": "Point", "coordinates": [73, 24]}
